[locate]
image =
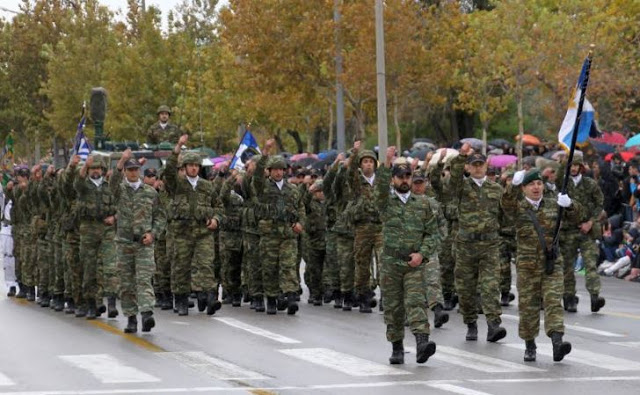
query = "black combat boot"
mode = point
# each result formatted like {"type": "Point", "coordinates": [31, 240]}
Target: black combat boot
{"type": "Point", "coordinates": [100, 308]}
{"type": "Point", "coordinates": [44, 300]}
{"type": "Point", "coordinates": [381, 305]}
{"type": "Point", "coordinates": [347, 303]}
{"type": "Point", "coordinates": [202, 301]}
{"type": "Point", "coordinates": [258, 302]}
{"type": "Point", "coordinates": [182, 303]}
{"type": "Point", "coordinates": [92, 309]}
{"type": "Point", "coordinates": [167, 302]}
{"type": "Point", "coordinates": [318, 300]}
{"type": "Point", "coordinates": [597, 302]}
{"type": "Point", "coordinates": [373, 302]}
{"type": "Point", "coordinates": [424, 347]}
{"type": "Point", "coordinates": [31, 294]}
{"type": "Point", "coordinates": [328, 296]}
{"type": "Point", "coordinates": [572, 303]}
{"type": "Point", "coordinates": [292, 304]}
{"type": "Point", "coordinates": [147, 321]}
{"type": "Point", "coordinates": [236, 300]}
{"type": "Point", "coordinates": [22, 291]}
{"type": "Point", "coordinates": [495, 332]}
{"type": "Point", "coordinates": [12, 292]}
{"type": "Point", "coordinates": [132, 325]}
{"type": "Point", "coordinates": [111, 307]}
{"type": "Point", "coordinates": [281, 302]}
{"type": "Point", "coordinates": [397, 355]}
{"type": "Point", "coordinates": [337, 300]}
{"type": "Point", "coordinates": [159, 297]}
{"type": "Point", "coordinates": [440, 316]}
{"type": "Point", "coordinates": [246, 298]}
{"type": "Point", "coordinates": [560, 348]}
{"type": "Point", "coordinates": [213, 304]}
{"type": "Point", "coordinates": [59, 303]}
{"type": "Point", "coordinates": [71, 307]}
{"type": "Point", "coordinates": [271, 305]}
{"type": "Point", "coordinates": [530, 351]}
{"type": "Point", "coordinates": [504, 299]}
{"type": "Point", "coordinates": [81, 309]}
{"type": "Point", "coordinates": [472, 331]}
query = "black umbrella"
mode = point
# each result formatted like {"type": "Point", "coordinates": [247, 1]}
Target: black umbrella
{"type": "Point", "coordinates": [304, 162]}
{"type": "Point", "coordinates": [420, 154]}
{"type": "Point", "coordinates": [499, 143]}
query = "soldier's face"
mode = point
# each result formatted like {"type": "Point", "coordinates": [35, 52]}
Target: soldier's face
{"type": "Point", "coordinates": [368, 166]}
{"type": "Point", "coordinates": [477, 169]}
{"type": "Point", "coordinates": [163, 117]}
{"type": "Point", "coordinates": [550, 175]}
{"type": "Point", "coordinates": [150, 180]}
{"type": "Point", "coordinates": [182, 171]}
{"type": "Point", "coordinates": [534, 189]}
{"type": "Point", "coordinates": [318, 195]}
{"type": "Point", "coordinates": [403, 183]}
{"type": "Point", "coordinates": [192, 169]}
{"type": "Point", "coordinates": [419, 187]}
{"type": "Point", "coordinates": [276, 174]}
{"type": "Point", "coordinates": [132, 174]}
{"type": "Point", "coordinates": [95, 172]}
{"type": "Point", "coordinates": [575, 170]}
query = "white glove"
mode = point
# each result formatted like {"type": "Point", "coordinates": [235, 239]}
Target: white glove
{"type": "Point", "coordinates": [518, 177]}
{"type": "Point", "coordinates": [564, 200]}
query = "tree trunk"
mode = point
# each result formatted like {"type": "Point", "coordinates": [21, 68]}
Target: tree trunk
{"type": "Point", "coordinates": [330, 138]}
{"type": "Point", "coordinates": [485, 126]}
{"type": "Point", "coordinates": [279, 141]}
{"type": "Point", "coordinates": [296, 137]}
{"type": "Point", "coordinates": [520, 128]}
{"type": "Point", "coordinates": [396, 124]}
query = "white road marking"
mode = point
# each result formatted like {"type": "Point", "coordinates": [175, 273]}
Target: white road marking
{"type": "Point", "coordinates": [213, 367]}
{"type": "Point", "coordinates": [180, 323]}
{"type": "Point", "coordinates": [587, 358]}
{"type": "Point", "coordinates": [5, 381]}
{"type": "Point", "coordinates": [576, 328]}
{"type": "Point", "coordinates": [256, 330]}
{"type": "Point", "coordinates": [343, 363]}
{"type": "Point", "coordinates": [627, 344]}
{"type": "Point", "coordinates": [557, 379]}
{"type": "Point", "coordinates": [456, 389]}
{"type": "Point", "coordinates": [108, 369]}
{"type": "Point", "coordinates": [477, 362]}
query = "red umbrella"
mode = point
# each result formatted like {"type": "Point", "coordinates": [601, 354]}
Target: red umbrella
{"type": "Point", "coordinates": [529, 139]}
{"type": "Point", "coordinates": [626, 156]}
{"type": "Point", "coordinates": [613, 138]}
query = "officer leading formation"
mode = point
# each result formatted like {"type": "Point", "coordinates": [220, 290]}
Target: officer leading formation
{"type": "Point", "coordinates": [411, 240]}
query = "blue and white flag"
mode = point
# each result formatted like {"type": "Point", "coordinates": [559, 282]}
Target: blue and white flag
{"type": "Point", "coordinates": [248, 148]}
{"type": "Point", "coordinates": [588, 126]}
{"type": "Point", "coordinates": [81, 147]}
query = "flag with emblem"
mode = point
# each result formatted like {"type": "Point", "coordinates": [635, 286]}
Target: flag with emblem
{"type": "Point", "coordinates": [248, 147]}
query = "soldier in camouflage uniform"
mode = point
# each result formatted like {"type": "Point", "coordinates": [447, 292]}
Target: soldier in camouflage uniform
{"type": "Point", "coordinates": [140, 220]}
{"type": "Point", "coordinates": [59, 279]}
{"type": "Point", "coordinates": [46, 254]}
{"type": "Point", "coordinates": [71, 246]}
{"type": "Point", "coordinates": [163, 130]}
{"type": "Point", "coordinates": [96, 213]}
{"type": "Point", "coordinates": [410, 236]}
{"type": "Point", "coordinates": [344, 238]}
{"type": "Point", "coordinates": [367, 241]}
{"type": "Point", "coordinates": [534, 284]}
{"type": "Point", "coordinates": [477, 243]}
{"type": "Point", "coordinates": [280, 217]}
{"type": "Point", "coordinates": [162, 276]}
{"type": "Point", "coordinates": [193, 221]}
{"type": "Point", "coordinates": [251, 260]}
{"type": "Point", "coordinates": [231, 202]}
{"type": "Point", "coordinates": [507, 249]}
{"type": "Point", "coordinates": [331, 272]}
{"type": "Point", "coordinates": [316, 229]}
{"type": "Point", "coordinates": [14, 192]}
{"type": "Point", "coordinates": [30, 205]}
{"type": "Point", "coordinates": [587, 193]}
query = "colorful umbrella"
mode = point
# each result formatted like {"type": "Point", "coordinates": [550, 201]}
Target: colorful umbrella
{"type": "Point", "coordinates": [633, 141]}
{"type": "Point", "coordinates": [602, 147]}
{"type": "Point", "coordinates": [529, 139]}
{"type": "Point", "coordinates": [626, 156]}
{"type": "Point", "coordinates": [502, 160]}
{"type": "Point", "coordinates": [476, 144]}
{"type": "Point", "coordinates": [613, 138]}
{"type": "Point", "coordinates": [303, 155]}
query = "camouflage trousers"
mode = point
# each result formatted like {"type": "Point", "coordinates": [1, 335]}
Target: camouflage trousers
{"type": "Point", "coordinates": [314, 271]}
{"type": "Point", "coordinates": [570, 242]}
{"type": "Point", "coordinates": [97, 248]}
{"type": "Point", "coordinates": [448, 262]}
{"type": "Point", "coordinates": [346, 262]}
{"type": "Point", "coordinates": [29, 267]}
{"type": "Point", "coordinates": [402, 287]}
{"type": "Point", "coordinates": [252, 263]}
{"type": "Point", "coordinates": [162, 275]}
{"type": "Point", "coordinates": [136, 266]}
{"type": "Point", "coordinates": [478, 269]}
{"type": "Point", "coordinates": [17, 243]}
{"type": "Point", "coordinates": [58, 272]}
{"type": "Point", "coordinates": [193, 256]}
{"type": "Point", "coordinates": [331, 270]}
{"type": "Point", "coordinates": [367, 243]}
{"type": "Point", "coordinates": [74, 270]}
{"type": "Point", "coordinates": [432, 281]}
{"type": "Point", "coordinates": [218, 273]}
{"type": "Point", "coordinates": [44, 258]}
{"type": "Point", "coordinates": [507, 252]}
{"type": "Point", "coordinates": [534, 286]}
{"type": "Point", "coordinates": [231, 250]}
{"type": "Point", "coordinates": [279, 264]}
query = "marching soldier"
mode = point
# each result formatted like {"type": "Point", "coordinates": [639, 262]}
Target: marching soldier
{"type": "Point", "coordinates": [231, 202]}
{"type": "Point", "coordinates": [163, 130]}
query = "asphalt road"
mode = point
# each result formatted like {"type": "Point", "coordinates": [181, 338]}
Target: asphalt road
{"type": "Point", "coordinates": [318, 351]}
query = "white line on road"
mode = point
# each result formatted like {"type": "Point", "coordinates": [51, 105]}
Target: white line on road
{"type": "Point", "coordinates": [179, 323]}
{"type": "Point", "coordinates": [213, 367]}
{"type": "Point", "coordinates": [627, 344]}
{"type": "Point", "coordinates": [108, 369]}
{"type": "Point", "coordinates": [343, 363]}
{"type": "Point", "coordinates": [556, 379]}
{"type": "Point", "coordinates": [587, 358]}
{"type": "Point", "coordinates": [477, 362]}
{"type": "Point", "coordinates": [456, 389]}
{"type": "Point", "coordinates": [256, 330]}
{"type": "Point", "coordinates": [576, 328]}
{"type": "Point", "coordinates": [5, 381]}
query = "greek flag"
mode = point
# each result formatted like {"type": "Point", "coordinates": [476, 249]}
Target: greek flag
{"type": "Point", "coordinates": [248, 148]}
{"type": "Point", "coordinates": [81, 147]}
{"type": "Point", "coordinates": [588, 126]}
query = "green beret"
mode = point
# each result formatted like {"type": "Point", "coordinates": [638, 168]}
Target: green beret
{"type": "Point", "coordinates": [531, 175]}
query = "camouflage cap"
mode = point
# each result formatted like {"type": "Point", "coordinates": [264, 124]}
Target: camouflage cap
{"type": "Point", "coordinates": [578, 160]}
{"type": "Point", "coordinates": [256, 158]}
{"type": "Point", "coordinates": [531, 175]}
{"type": "Point", "coordinates": [191, 158]}
{"type": "Point", "coordinates": [131, 164]}
{"type": "Point", "coordinates": [477, 158]}
{"type": "Point", "coordinates": [401, 170]}
{"type": "Point", "coordinates": [367, 154]}
{"type": "Point", "coordinates": [98, 161]}
{"type": "Point", "coordinates": [277, 162]}
{"type": "Point", "coordinates": [318, 184]}
{"type": "Point", "coordinates": [164, 108]}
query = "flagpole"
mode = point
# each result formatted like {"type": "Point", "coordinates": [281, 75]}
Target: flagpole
{"type": "Point", "coordinates": [572, 148]}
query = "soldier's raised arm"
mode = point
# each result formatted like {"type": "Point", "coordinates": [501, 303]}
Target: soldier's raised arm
{"type": "Point", "coordinates": [457, 171]}
{"type": "Point", "coordinates": [171, 170]}
{"type": "Point", "coordinates": [331, 176]}
{"type": "Point", "coordinates": [258, 178]}
{"type": "Point", "coordinates": [353, 170]}
{"type": "Point", "coordinates": [79, 183]}
{"type": "Point", "coordinates": [118, 174]}
{"type": "Point", "coordinates": [383, 183]}
{"type": "Point", "coordinates": [509, 200]}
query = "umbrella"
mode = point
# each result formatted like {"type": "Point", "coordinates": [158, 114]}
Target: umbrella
{"type": "Point", "coordinates": [633, 141]}
{"type": "Point", "coordinates": [626, 156]}
{"type": "Point", "coordinates": [476, 144]}
{"type": "Point", "coordinates": [613, 138]}
{"type": "Point", "coordinates": [304, 162]}
{"type": "Point", "coordinates": [451, 153]}
{"type": "Point", "coordinates": [529, 139]}
{"type": "Point", "coordinates": [496, 151]}
{"type": "Point", "coordinates": [330, 154]}
{"type": "Point", "coordinates": [297, 157]}
{"type": "Point", "coordinates": [602, 147]}
{"type": "Point", "coordinates": [502, 160]}
{"type": "Point", "coordinates": [420, 154]}
{"type": "Point", "coordinates": [500, 143]}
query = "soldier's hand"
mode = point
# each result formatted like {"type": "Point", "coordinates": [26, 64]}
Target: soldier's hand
{"type": "Point", "coordinates": [183, 140]}
{"type": "Point", "coordinates": [586, 227]}
{"type": "Point", "coordinates": [142, 161]}
{"type": "Point", "coordinates": [268, 146]}
{"type": "Point", "coordinates": [341, 157]}
{"type": "Point", "coordinates": [414, 164]}
{"type": "Point", "coordinates": [443, 156]}
{"type": "Point", "coordinates": [466, 149]}
{"type": "Point", "coordinates": [158, 184]}
{"type": "Point", "coordinates": [391, 153]}
{"type": "Point", "coordinates": [126, 155]}
{"type": "Point", "coordinates": [427, 159]}
{"type": "Point", "coordinates": [51, 170]}
{"type": "Point", "coordinates": [297, 228]}
{"type": "Point", "coordinates": [110, 220]}
{"type": "Point", "coordinates": [356, 146]}
{"type": "Point", "coordinates": [147, 239]}
{"type": "Point", "coordinates": [10, 186]}
{"type": "Point", "coordinates": [212, 224]}
{"type": "Point", "coordinates": [313, 188]}
{"type": "Point", "coordinates": [89, 161]}
{"type": "Point", "coordinates": [416, 259]}
{"type": "Point", "coordinates": [36, 169]}
{"type": "Point", "coordinates": [75, 160]}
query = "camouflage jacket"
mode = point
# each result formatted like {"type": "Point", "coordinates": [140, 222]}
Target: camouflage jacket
{"type": "Point", "coordinates": [316, 222]}
{"type": "Point", "coordinates": [590, 197]}
{"type": "Point", "coordinates": [249, 219]}
{"type": "Point", "coordinates": [364, 210]}
{"type": "Point", "coordinates": [343, 196]}
{"type": "Point", "coordinates": [479, 210]}
{"type": "Point", "coordinates": [138, 211]}
{"type": "Point", "coordinates": [94, 203]}
{"type": "Point", "coordinates": [443, 192]}
{"type": "Point", "coordinates": [436, 209]}
{"type": "Point", "coordinates": [406, 227]}
{"type": "Point", "coordinates": [230, 205]}
{"type": "Point", "coordinates": [156, 134]}
{"type": "Point", "coordinates": [68, 200]}
{"type": "Point", "coordinates": [528, 242]}
{"type": "Point", "coordinates": [331, 202]}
